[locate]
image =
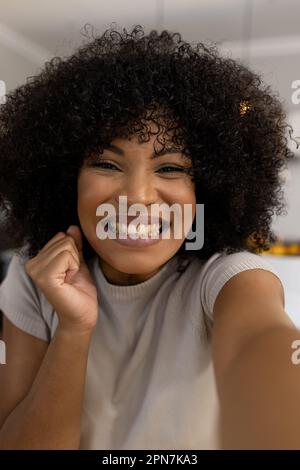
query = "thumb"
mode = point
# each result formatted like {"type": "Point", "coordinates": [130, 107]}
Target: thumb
{"type": "Point", "coordinates": [75, 232]}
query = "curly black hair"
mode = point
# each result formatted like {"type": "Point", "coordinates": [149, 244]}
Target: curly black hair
{"type": "Point", "coordinates": [226, 120]}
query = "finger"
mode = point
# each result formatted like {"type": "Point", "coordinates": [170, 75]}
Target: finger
{"type": "Point", "coordinates": [58, 242]}
{"type": "Point", "coordinates": [58, 268]}
{"type": "Point", "coordinates": [58, 236]}
{"type": "Point", "coordinates": [75, 232]}
{"type": "Point", "coordinates": [45, 257]}
{"type": "Point", "coordinates": [53, 251]}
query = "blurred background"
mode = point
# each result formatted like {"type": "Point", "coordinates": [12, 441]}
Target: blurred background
{"type": "Point", "coordinates": [264, 34]}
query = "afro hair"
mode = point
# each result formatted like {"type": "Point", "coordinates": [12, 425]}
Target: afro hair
{"type": "Point", "coordinates": [221, 114]}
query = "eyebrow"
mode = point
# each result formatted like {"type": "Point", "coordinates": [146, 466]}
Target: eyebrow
{"type": "Point", "coordinates": [161, 153]}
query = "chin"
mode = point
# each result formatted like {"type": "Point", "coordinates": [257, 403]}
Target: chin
{"type": "Point", "coordinates": [134, 261]}
{"type": "Point", "coordinates": [134, 264]}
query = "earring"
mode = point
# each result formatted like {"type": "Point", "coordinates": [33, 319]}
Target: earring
{"type": "Point", "coordinates": [244, 107]}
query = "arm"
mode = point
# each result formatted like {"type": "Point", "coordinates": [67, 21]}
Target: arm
{"type": "Point", "coordinates": [43, 389]}
{"type": "Point", "coordinates": [42, 408]}
{"type": "Point", "coordinates": [258, 385]}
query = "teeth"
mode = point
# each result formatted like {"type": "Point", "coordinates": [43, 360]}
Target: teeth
{"type": "Point", "coordinates": [140, 230]}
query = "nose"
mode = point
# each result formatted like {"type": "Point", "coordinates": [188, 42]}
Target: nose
{"type": "Point", "coordinates": [139, 187]}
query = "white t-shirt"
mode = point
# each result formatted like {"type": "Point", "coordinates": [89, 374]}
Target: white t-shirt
{"type": "Point", "coordinates": [150, 381]}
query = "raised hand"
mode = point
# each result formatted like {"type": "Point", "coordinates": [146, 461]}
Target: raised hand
{"type": "Point", "coordinates": [60, 271]}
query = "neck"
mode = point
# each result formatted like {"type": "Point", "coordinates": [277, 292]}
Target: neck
{"type": "Point", "coordinates": [123, 279]}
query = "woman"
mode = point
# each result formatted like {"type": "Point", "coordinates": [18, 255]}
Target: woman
{"type": "Point", "coordinates": [137, 346]}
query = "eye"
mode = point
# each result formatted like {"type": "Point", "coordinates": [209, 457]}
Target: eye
{"type": "Point", "coordinates": [172, 168]}
{"type": "Point", "coordinates": [104, 165]}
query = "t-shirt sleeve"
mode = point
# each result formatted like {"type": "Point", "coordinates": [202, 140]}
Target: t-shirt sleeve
{"type": "Point", "coordinates": [221, 267]}
{"type": "Point", "coordinates": [20, 300]}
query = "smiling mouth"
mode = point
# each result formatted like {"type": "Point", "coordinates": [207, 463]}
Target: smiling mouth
{"type": "Point", "coordinates": [136, 231]}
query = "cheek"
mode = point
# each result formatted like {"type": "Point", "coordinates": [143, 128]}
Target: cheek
{"type": "Point", "coordinates": [185, 193]}
{"type": "Point", "coordinates": [184, 196]}
{"type": "Point", "coordinates": [91, 191]}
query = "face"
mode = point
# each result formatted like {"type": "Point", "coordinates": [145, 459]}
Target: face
{"type": "Point", "coordinates": [128, 168]}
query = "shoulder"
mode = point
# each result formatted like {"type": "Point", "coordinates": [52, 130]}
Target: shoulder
{"type": "Point", "coordinates": [21, 300]}
{"type": "Point", "coordinates": [16, 270]}
{"type": "Point", "coordinates": [221, 267]}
